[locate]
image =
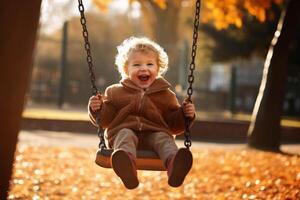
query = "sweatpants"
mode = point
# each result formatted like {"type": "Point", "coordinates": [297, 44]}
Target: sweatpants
{"type": "Point", "coordinates": [162, 143]}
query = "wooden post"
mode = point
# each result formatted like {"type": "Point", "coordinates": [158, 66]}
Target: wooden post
{"type": "Point", "coordinates": [232, 92]}
{"type": "Point", "coordinates": [19, 22]}
{"type": "Point", "coordinates": [63, 67]}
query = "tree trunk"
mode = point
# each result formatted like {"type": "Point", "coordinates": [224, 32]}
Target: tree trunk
{"type": "Point", "coordinates": [19, 21]}
{"type": "Point", "coordinates": [264, 131]}
{"type": "Point", "coordinates": [164, 23]}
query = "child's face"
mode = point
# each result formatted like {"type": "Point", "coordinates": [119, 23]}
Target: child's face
{"type": "Point", "coordinates": [142, 68]}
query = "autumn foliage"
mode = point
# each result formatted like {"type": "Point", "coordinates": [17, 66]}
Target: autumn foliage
{"type": "Point", "coordinates": [69, 173]}
{"type": "Point", "coordinates": [220, 13]}
{"type": "Point", "coordinates": [230, 12]}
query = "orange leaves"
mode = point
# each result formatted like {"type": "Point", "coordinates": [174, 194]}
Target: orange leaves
{"type": "Point", "coordinates": [222, 13]}
{"type": "Point", "coordinates": [102, 4]}
{"type": "Point", "coordinates": [258, 8]}
{"type": "Point", "coordinates": [160, 3]}
{"type": "Point", "coordinates": [48, 172]}
{"type": "Point", "coordinates": [229, 12]}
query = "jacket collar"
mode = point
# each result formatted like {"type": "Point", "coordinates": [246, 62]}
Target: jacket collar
{"type": "Point", "coordinates": [158, 85]}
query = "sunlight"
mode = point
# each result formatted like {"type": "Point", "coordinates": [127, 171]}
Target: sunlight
{"type": "Point", "coordinates": [119, 6]}
{"type": "Point", "coordinates": [135, 10]}
{"type": "Point", "coordinates": [55, 12]}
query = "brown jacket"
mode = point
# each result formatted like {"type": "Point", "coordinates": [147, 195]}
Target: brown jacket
{"type": "Point", "coordinates": [125, 105]}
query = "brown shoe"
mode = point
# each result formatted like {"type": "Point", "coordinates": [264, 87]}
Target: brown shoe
{"type": "Point", "coordinates": [179, 166]}
{"type": "Point", "coordinates": [124, 166]}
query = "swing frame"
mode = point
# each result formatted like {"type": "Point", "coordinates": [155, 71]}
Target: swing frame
{"type": "Point", "coordinates": [146, 159]}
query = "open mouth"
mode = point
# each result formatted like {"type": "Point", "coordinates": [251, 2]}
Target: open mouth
{"type": "Point", "coordinates": [143, 77]}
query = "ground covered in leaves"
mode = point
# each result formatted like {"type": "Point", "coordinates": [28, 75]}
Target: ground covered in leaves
{"type": "Point", "coordinates": [70, 173]}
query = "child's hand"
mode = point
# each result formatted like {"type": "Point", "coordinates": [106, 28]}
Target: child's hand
{"type": "Point", "coordinates": [188, 109]}
{"type": "Point", "coordinates": [95, 102]}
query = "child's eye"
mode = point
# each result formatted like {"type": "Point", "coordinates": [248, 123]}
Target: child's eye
{"type": "Point", "coordinates": [136, 65]}
{"type": "Point", "coordinates": [150, 64]}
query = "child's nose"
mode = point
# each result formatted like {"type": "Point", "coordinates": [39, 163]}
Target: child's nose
{"type": "Point", "coordinates": [143, 67]}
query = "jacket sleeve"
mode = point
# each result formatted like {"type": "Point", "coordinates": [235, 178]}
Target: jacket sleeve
{"type": "Point", "coordinates": [175, 116]}
{"type": "Point", "coordinates": [107, 112]}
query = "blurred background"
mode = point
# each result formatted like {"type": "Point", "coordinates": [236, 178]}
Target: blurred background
{"type": "Point", "coordinates": [46, 158]}
{"type": "Point", "coordinates": [230, 57]}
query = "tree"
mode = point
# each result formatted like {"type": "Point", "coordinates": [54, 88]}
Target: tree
{"type": "Point", "coordinates": [264, 131]}
{"type": "Point", "coordinates": [17, 43]}
{"type": "Point", "coordinates": [253, 38]}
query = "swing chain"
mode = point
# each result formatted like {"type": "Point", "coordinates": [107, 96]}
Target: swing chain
{"type": "Point", "coordinates": [100, 133]}
{"type": "Point", "coordinates": [194, 49]}
{"type": "Point", "coordinates": [188, 142]}
{"type": "Point", "coordinates": [87, 47]}
{"type": "Point", "coordinates": [89, 59]}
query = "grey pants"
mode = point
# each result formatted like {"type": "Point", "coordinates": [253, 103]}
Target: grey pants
{"type": "Point", "coordinates": [162, 143]}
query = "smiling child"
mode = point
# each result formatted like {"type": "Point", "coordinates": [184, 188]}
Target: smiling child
{"type": "Point", "coordinates": [141, 112]}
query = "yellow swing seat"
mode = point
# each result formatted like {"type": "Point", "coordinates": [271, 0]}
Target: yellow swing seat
{"type": "Point", "coordinates": [146, 160]}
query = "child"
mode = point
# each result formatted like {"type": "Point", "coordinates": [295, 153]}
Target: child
{"type": "Point", "coordinates": [142, 112]}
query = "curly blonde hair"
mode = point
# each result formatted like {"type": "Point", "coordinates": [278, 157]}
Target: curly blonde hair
{"type": "Point", "coordinates": [135, 44]}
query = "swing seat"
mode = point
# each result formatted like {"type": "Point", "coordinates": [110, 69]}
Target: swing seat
{"type": "Point", "coordinates": [146, 160]}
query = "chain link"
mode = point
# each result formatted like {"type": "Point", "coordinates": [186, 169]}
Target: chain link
{"type": "Point", "coordinates": [188, 142]}
{"type": "Point", "coordinates": [89, 60]}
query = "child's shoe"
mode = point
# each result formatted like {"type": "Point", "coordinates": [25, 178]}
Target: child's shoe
{"type": "Point", "coordinates": [124, 166]}
{"type": "Point", "coordinates": [178, 167]}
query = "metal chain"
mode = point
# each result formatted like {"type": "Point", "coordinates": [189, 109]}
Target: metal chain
{"type": "Point", "coordinates": [89, 60]}
{"type": "Point", "coordinates": [188, 142]}
{"type": "Point", "coordinates": [87, 47]}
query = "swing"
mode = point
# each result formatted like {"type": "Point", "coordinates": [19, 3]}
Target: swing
{"type": "Point", "coordinates": [146, 159]}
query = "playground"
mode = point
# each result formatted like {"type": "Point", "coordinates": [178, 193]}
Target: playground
{"type": "Point", "coordinates": [60, 165]}
{"type": "Point", "coordinates": [232, 93]}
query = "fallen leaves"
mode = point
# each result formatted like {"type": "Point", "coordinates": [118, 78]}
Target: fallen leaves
{"type": "Point", "coordinates": [70, 173]}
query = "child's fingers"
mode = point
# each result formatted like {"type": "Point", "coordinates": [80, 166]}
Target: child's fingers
{"type": "Point", "coordinates": [185, 102]}
{"type": "Point", "coordinates": [96, 97]}
{"type": "Point", "coordinates": [189, 112]}
{"type": "Point", "coordinates": [95, 107]}
{"type": "Point", "coordinates": [95, 102]}
{"type": "Point", "coordinates": [189, 109]}
{"type": "Point", "coordinates": [189, 115]}
{"type": "Point", "coordinates": [99, 96]}
{"type": "Point", "coordinates": [189, 106]}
